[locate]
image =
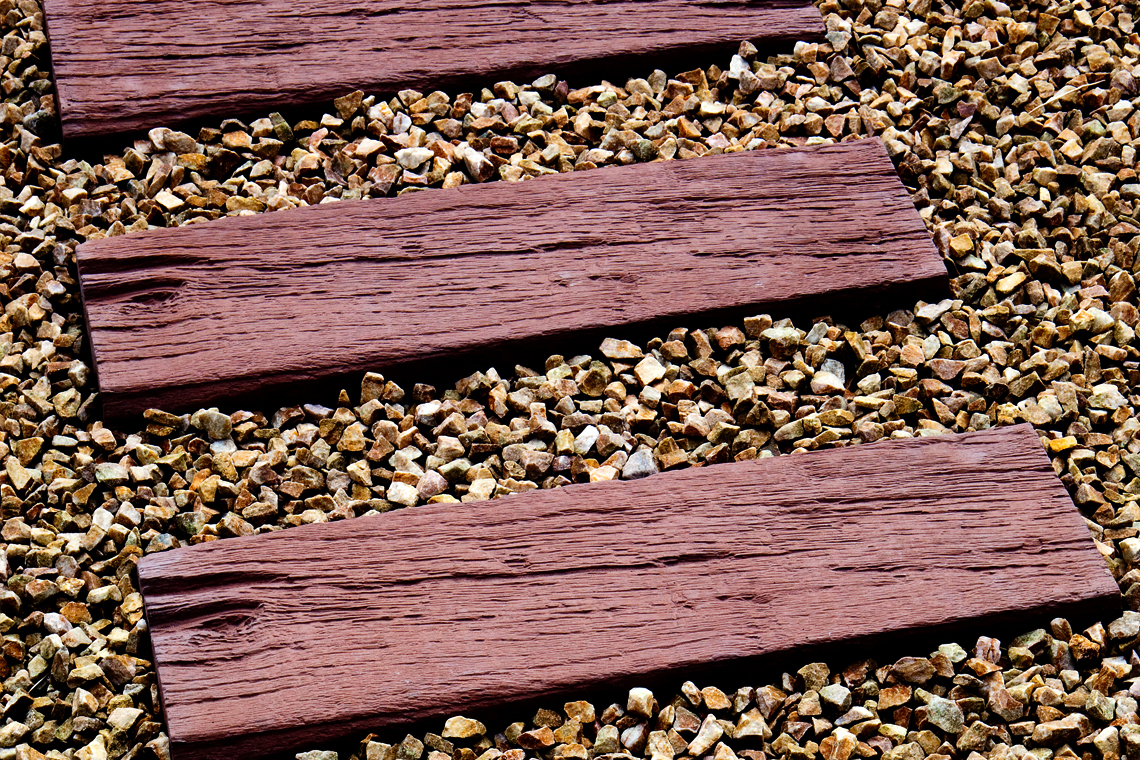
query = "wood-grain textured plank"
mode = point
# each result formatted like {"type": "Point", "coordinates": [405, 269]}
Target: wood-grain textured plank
{"type": "Point", "coordinates": [268, 642]}
{"type": "Point", "coordinates": [256, 305]}
{"type": "Point", "coordinates": [124, 66]}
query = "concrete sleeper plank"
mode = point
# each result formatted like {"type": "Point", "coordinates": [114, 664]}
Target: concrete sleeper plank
{"type": "Point", "coordinates": [256, 307]}
{"type": "Point", "coordinates": [125, 66]}
{"type": "Point", "coordinates": [277, 641]}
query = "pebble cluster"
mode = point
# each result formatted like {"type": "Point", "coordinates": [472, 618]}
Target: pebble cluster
{"type": "Point", "coordinates": [1014, 126]}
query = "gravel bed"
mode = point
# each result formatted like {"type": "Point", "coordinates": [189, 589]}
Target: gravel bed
{"type": "Point", "coordinates": [1051, 694]}
{"type": "Point", "coordinates": [1014, 126]}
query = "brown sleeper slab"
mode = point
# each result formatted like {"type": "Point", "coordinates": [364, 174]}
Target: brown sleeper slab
{"type": "Point", "coordinates": [126, 66]}
{"type": "Point", "coordinates": [290, 639]}
{"type": "Point", "coordinates": [256, 306]}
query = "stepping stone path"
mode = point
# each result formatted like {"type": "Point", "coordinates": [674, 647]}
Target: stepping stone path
{"type": "Point", "coordinates": [128, 65]}
{"type": "Point", "coordinates": [268, 643]}
{"type": "Point", "coordinates": [257, 306]}
{"type": "Point", "coordinates": [424, 612]}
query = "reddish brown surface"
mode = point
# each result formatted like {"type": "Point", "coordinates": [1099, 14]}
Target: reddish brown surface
{"type": "Point", "coordinates": [124, 66]}
{"type": "Point", "coordinates": [254, 306]}
{"type": "Point", "coordinates": [286, 640]}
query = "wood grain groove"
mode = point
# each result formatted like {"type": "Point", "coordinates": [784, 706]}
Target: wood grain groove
{"type": "Point", "coordinates": [258, 306]}
{"type": "Point", "coordinates": [264, 644]}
